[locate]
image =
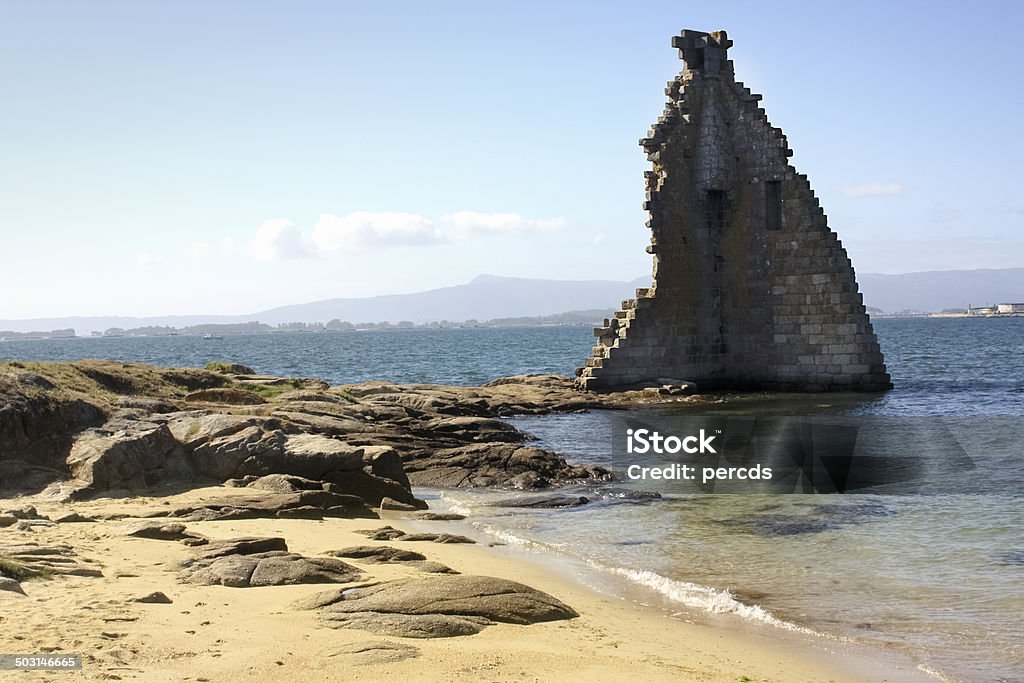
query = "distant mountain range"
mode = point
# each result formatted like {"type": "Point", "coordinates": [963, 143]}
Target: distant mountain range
{"type": "Point", "coordinates": [488, 297]}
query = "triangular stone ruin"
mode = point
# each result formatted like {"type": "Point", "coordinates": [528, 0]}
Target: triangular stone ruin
{"type": "Point", "coordinates": [752, 290]}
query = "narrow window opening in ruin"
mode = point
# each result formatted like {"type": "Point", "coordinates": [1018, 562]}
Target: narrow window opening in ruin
{"type": "Point", "coordinates": [696, 60]}
{"type": "Point", "coordinates": [714, 210]}
{"type": "Point", "coordinates": [773, 205]}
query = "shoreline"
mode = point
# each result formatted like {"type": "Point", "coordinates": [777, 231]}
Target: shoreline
{"type": "Point", "coordinates": [216, 632]}
{"type": "Point", "coordinates": [845, 658]}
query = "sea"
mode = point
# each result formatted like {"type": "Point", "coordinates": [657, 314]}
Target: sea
{"type": "Point", "coordinates": [933, 575]}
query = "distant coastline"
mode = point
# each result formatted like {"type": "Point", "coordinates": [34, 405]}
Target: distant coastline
{"type": "Point", "coordinates": [579, 318]}
{"type": "Point", "coordinates": [569, 318]}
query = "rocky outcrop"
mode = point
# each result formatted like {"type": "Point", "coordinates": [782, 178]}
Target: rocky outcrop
{"type": "Point", "coordinates": [436, 607]}
{"type": "Point", "coordinates": [382, 554]}
{"type": "Point", "coordinates": [32, 560]}
{"type": "Point", "coordinates": [167, 532]}
{"type": "Point", "coordinates": [125, 454]}
{"type": "Point", "coordinates": [388, 533]}
{"type": "Point", "coordinates": [376, 652]}
{"type": "Point", "coordinates": [93, 427]}
{"type": "Point", "coordinates": [255, 562]}
{"type": "Point", "coordinates": [260, 504]}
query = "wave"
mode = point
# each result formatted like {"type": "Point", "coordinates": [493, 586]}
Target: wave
{"type": "Point", "coordinates": [711, 600]}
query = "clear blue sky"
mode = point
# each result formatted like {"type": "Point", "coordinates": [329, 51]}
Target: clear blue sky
{"type": "Point", "coordinates": [224, 157]}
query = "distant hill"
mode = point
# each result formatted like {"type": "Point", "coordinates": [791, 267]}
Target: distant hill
{"type": "Point", "coordinates": [490, 297]}
{"type": "Point", "coordinates": [484, 298]}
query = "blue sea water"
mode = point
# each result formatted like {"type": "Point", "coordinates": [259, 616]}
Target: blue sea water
{"type": "Point", "coordinates": [937, 577]}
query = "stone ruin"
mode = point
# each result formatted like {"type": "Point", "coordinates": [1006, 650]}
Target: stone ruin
{"type": "Point", "coordinates": [751, 290]}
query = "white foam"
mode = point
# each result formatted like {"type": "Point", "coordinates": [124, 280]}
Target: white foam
{"type": "Point", "coordinates": [455, 506]}
{"type": "Point", "coordinates": [518, 541]}
{"type": "Point", "coordinates": [935, 674]}
{"type": "Point", "coordinates": [702, 597]}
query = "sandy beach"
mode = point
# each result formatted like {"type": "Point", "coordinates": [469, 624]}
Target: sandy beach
{"type": "Point", "coordinates": [218, 633]}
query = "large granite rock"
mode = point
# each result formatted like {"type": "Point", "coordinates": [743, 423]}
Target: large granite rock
{"type": "Point", "coordinates": [255, 562]}
{"type": "Point", "coordinates": [389, 533]}
{"type": "Point", "coordinates": [436, 607]}
{"type": "Point", "coordinates": [259, 504]}
{"type": "Point", "coordinates": [38, 424]}
{"type": "Point", "coordinates": [124, 454]}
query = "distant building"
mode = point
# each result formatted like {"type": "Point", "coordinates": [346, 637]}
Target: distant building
{"type": "Point", "coordinates": [997, 309]}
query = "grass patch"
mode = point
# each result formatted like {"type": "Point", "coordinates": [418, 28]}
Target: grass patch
{"type": "Point", "coordinates": [13, 570]}
{"type": "Point", "coordinates": [215, 366]}
{"type": "Point", "coordinates": [347, 395]}
{"type": "Point", "coordinates": [269, 391]}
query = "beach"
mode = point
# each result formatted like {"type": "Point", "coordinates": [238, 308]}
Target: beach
{"type": "Point", "coordinates": [219, 633]}
{"type": "Point", "coordinates": [855, 587]}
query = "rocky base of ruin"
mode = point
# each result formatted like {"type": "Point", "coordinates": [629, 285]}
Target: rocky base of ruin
{"type": "Point", "coordinates": [78, 430]}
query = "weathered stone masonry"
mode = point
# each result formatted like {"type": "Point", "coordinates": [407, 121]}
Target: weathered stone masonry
{"type": "Point", "coordinates": [752, 290]}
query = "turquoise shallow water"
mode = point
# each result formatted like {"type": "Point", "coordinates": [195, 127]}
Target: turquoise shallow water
{"type": "Point", "coordinates": [939, 577]}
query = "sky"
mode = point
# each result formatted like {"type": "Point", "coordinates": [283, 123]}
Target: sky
{"type": "Point", "coordinates": [189, 157]}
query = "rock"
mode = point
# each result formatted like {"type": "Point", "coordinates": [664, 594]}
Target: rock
{"type": "Point", "coordinates": [38, 421]}
{"type": "Point", "coordinates": [436, 538]}
{"type": "Point", "coordinates": [284, 483]}
{"type": "Point", "coordinates": [494, 464]}
{"type": "Point", "coordinates": [233, 397]}
{"type": "Point", "coordinates": [384, 533]}
{"type": "Point", "coordinates": [7, 520]}
{"type": "Point", "coordinates": [155, 598]}
{"type": "Point", "coordinates": [146, 405]}
{"type": "Point", "coordinates": [230, 368]}
{"type": "Point", "coordinates": [388, 533]}
{"type": "Point", "coordinates": [253, 562]}
{"type": "Point", "coordinates": [259, 504]}
{"type": "Point", "coordinates": [542, 502]}
{"type": "Point", "coordinates": [392, 504]}
{"type": "Point", "coordinates": [8, 584]}
{"type": "Point", "coordinates": [409, 625]}
{"type": "Point", "coordinates": [30, 524]}
{"type": "Point", "coordinates": [432, 567]}
{"type": "Point", "coordinates": [125, 454]}
{"type": "Point", "coordinates": [436, 607]}
{"type": "Point", "coordinates": [37, 560]}
{"type": "Point", "coordinates": [377, 553]}
{"type": "Point", "coordinates": [364, 440]}
{"type": "Point", "coordinates": [376, 652]}
{"type": "Point", "coordinates": [24, 512]}
{"type": "Point", "coordinates": [246, 545]}
{"type": "Point", "coordinates": [167, 532]}
{"type": "Point", "coordinates": [440, 516]}
{"type": "Point", "coordinates": [73, 517]}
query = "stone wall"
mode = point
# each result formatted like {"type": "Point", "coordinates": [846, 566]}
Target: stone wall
{"type": "Point", "coordinates": [751, 290]}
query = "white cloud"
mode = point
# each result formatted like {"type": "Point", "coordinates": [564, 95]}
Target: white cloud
{"type": "Point", "coordinates": [873, 190]}
{"type": "Point", "coordinates": [598, 240]}
{"type": "Point", "coordinates": [465, 223]}
{"type": "Point", "coordinates": [277, 240]}
{"type": "Point", "coordinates": [200, 251]}
{"type": "Point", "coordinates": [145, 259]}
{"type": "Point", "coordinates": [363, 229]}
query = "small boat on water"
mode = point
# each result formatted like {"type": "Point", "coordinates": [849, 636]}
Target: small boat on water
{"type": "Point", "coordinates": [212, 336]}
